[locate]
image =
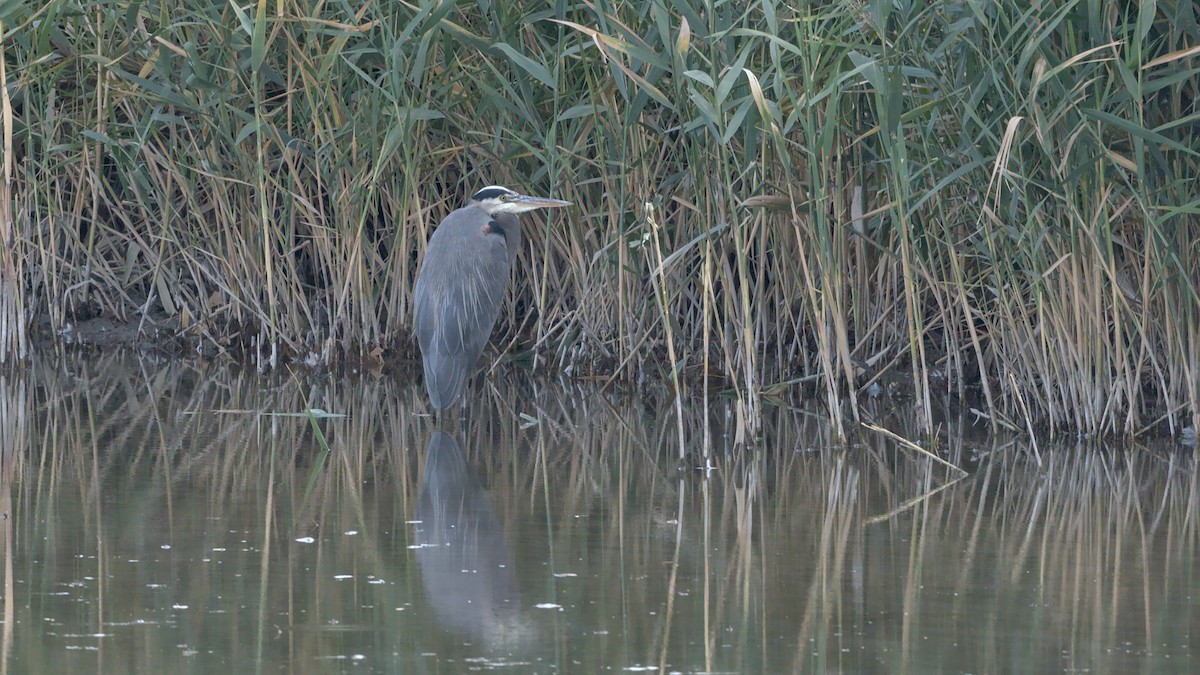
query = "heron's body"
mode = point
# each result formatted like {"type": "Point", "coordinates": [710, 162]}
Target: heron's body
{"type": "Point", "coordinates": [461, 286]}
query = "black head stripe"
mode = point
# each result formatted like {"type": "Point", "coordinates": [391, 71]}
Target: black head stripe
{"type": "Point", "coordinates": [490, 193]}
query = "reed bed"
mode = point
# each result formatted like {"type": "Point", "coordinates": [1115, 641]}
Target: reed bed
{"type": "Point", "coordinates": [796, 198]}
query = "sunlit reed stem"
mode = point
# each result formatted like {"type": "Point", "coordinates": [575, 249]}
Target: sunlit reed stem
{"type": "Point", "coordinates": [657, 277]}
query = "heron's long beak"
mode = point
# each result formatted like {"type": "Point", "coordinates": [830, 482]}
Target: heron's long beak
{"type": "Point", "coordinates": [528, 202]}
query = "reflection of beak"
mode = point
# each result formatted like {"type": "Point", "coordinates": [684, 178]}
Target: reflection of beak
{"type": "Point", "coordinates": [529, 202]}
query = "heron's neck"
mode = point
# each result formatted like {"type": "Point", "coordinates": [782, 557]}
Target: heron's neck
{"type": "Point", "coordinates": [512, 233]}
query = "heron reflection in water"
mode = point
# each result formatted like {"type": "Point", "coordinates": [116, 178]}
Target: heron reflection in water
{"type": "Point", "coordinates": [461, 285]}
{"type": "Point", "coordinates": [465, 566]}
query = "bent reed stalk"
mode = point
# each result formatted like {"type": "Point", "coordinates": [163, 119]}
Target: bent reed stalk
{"type": "Point", "coordinates": [999, 200]}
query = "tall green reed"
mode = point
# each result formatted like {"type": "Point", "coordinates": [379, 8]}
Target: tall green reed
{"type": "Point", "coordinates": [992, 199]}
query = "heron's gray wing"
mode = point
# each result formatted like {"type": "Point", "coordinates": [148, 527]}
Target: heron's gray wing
{"type": "Point", "coordinates": [457, 300]}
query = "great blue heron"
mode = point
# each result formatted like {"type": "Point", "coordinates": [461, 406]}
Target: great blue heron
{"type": "Point", "coordinates": [462, 282]}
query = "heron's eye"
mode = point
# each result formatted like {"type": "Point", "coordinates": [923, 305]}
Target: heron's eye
{"type": "Point", "coordinates": [505, 198]}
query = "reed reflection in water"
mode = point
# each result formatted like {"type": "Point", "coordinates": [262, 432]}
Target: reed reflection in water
{"type": "Point", "coordinates": [163, 517]}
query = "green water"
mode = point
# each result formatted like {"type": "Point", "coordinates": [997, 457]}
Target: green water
{"type": "Point", "coordinates": [162, 517]}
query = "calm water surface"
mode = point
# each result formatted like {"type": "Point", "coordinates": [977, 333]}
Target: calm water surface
{"type": "Point", "coordinates": [170, 518]}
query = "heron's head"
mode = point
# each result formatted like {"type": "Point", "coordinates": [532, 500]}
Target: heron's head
{"type": "Point", "coordinates": [498, 199]}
